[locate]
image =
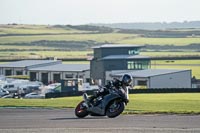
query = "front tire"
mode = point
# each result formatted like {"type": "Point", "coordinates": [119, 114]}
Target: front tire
{"type": "Point", "coordinates": [81, 111]}
{"type": "Point", "coordinates": [115, 108]}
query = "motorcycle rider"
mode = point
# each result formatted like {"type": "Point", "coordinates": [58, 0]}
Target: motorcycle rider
{"type": "Point", "coordinates": [115, 84]}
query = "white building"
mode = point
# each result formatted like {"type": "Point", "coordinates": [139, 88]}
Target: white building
{"type": "Point", "coordinates": [57, 72]}
{"type": "Point", "coordinates": [21, 67]}
{"type": "Point", "coordinates": [157, 78]}
{"type": "Point", "coordinates": [47, 71]}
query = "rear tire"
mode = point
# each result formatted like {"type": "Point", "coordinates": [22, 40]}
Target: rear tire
{"type": "Point", "coordinates": [81, 111]}
{"type": "Point", "coordinates": [114, 109]}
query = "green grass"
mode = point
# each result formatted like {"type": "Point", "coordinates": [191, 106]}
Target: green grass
{"type": "Point", "coordinates": [176, 62]}
{"type": "Point", "coordinates": [44, 54]}
{"type": "Point", "coordinates": [107, 37]}
{"type": "Point", "coordinates": [170, 54]}
{"type": "Point", "coordinates": [16, 47]}
{"type": "Point", "coordinates": [165, 103]}
{"type": "Point", "coordinates": [161, 41]}
{"type": "Point", "coordinates": [33, 29]}
{"type": "Point", "coordinates": [68, 102]}
{"type": "Point", "coordinates": [76, 35]}
{"type": "Point", "coordinates": [183, 103]}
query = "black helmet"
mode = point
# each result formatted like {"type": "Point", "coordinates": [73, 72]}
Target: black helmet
{"type": "Point", "coordinates": [127, 79]}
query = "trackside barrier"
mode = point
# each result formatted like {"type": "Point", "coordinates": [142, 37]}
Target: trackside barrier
{"type": "Point", "coordinates": [67, 94]}
{"type": "Point", "coordinates": [131, 91]}
{"type": "Point", "coordinates": [165, 90]}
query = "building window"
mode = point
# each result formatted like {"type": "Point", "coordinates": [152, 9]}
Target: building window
{"type": "Point", "coordinates": [69, 75]}
{"type": "Point", "coordinates": [33, 76]}
{"type": "Point", "coordinates": [137, 65]}
{"type": "Point", "coordinates": [88, 80]}
{"type": "Point", "coordinates": [8, 72]}
{"type": "Point", "coordinates": [19, 72]}
{"type": "Point", "coordinates": [142, 82]}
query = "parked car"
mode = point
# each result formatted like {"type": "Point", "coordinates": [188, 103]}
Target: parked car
{"type": "Point", "coordinates": [9, 96]}
{"type": "Point", "coordinates": [34, 95]}
{"type": "Point", "coordinates": [3, 92]}
{"type": "Point", "coordinates": [12, 85]}
{"type": "Point", "coordinates": [9, 87]}
{"type": "Point", "coordinates": [29, 88]}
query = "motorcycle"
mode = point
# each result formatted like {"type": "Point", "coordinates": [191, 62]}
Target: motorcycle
{"type": "Point", "coordinates": [110, 103]}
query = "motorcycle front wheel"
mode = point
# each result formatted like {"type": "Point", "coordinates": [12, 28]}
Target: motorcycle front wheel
{"type": "Point", "coordinates": [115, 108]}
{"type": "Point", "coordinates": [81, 110]}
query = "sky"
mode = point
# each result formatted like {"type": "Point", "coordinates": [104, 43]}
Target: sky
{"type": "Point", "coordinates": [77, 12]}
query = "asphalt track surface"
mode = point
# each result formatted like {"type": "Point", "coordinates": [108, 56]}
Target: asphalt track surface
{"type": "Point", "coordinates": [37, 120]}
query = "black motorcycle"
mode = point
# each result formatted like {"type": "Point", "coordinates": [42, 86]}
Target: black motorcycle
{"type": "Point", "coordinates": [111, 102]}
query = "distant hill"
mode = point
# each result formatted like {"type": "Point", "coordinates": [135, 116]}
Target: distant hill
{"type": "Point", "coordinates": [153, 26]}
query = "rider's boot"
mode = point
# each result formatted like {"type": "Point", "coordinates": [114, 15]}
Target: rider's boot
{"type": "Point", "coordinates": [87, 100]}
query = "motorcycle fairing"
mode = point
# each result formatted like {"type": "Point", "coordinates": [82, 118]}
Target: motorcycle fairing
{"type": "Point", "coordinates": [101, 107]}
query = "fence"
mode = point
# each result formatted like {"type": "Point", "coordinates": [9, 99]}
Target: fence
{"type": "Point", "coordinates": [131, 91]}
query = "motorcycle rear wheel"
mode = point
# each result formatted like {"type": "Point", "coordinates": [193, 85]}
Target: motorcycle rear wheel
{"type": "Point", "coordinates": [80, 110]}
{"type": "Point", "coordinates": [115, 108]}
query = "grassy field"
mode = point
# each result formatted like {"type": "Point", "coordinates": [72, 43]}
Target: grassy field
{"type": "Point", "coordinates": [44, 54]}
{"type": "Point", "coordinates": [161, 41]}
{"type": "Point", "coordinates": [170, 54]}
{"type": "Point", "coordinates": [50, 52]}
{"type": "Point", "coordinates": [176, 62]}
{"type": "Point", "coordinates": [164, 103]}
{"type": "Point", "coordinates": [106, 37]}
{"type": "Point", "coordinates": [28, 33]}
{"type": "Point", "coordinates": [35, 29]}
{"type": "Point", "coordinates": [11, 44]}
{"type": "Point", "coordinates": [187, 103]}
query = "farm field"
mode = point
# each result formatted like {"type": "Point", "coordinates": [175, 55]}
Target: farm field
{"type": "Point", "coordinates": [31, 33]}
{"type": "Point", "coordinates": [62, 41]}
{"type": "Point", "coordinates": [43, 54]}
{"type": "Point", "coordinates": [170, 53]}
{"type": "Point", "coordinates": [161, 41]}
{"type": "Point", "coordinates": [35, 29]}
{"type": "Point", "coordinates": [102, 38]}
{"type": "Point", "coordinates": [176, 62]}
{"type": "Point", "coordinates": [37, 41]}
{"type": "Point", "coordinates": [179, 103]}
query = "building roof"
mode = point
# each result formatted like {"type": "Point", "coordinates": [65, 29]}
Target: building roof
{"type": "Point", "coordinates": [26, 63]}
{"type": "Point", "coordinates": [149, 72]}
{"type": "Point", "coordinates": [115, 57]}
{"type": "Point", "coordinates": [119, 46]}
{"type": "Point", "coordinates": [63, 68]}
